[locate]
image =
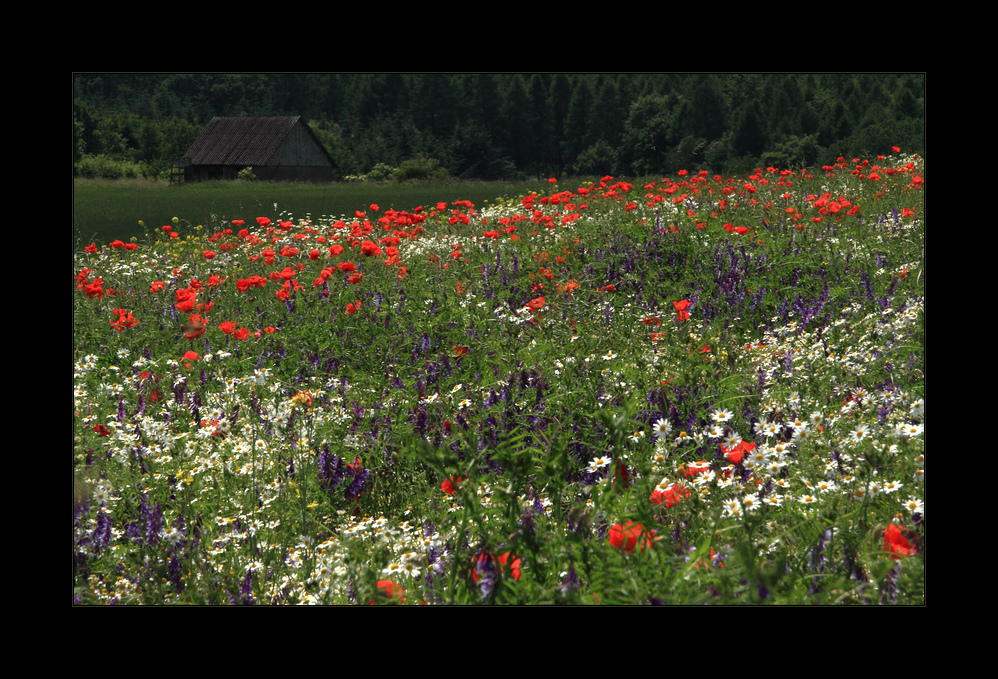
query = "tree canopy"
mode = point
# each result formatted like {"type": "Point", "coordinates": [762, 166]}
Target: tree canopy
{"type": "Point", "coordinates": [492, 126]}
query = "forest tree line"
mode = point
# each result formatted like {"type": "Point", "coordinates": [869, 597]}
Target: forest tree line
{"type": "Point", "coordinates": [511, 126]}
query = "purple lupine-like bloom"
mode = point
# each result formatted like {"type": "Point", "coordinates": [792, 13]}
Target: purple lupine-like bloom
{"type": "Point", "coordinates": [356, 486]}
{"type": "Point", "coordinates": [174, 574]}
{"type": "Point", "coordinates": [246, 590]}
{"type": "Point", "coordinates": [101, 537]}
{"type": "Point", "coordinates": [486, 570]}
{"type": "Point", "coordinates": [153, 520]}
{"type": "Point", "coordinates": [331, 469]}
{"type": "Point", "coordinates": [196, 407]}
{"type": "Point", "coordinates": [570, 583]}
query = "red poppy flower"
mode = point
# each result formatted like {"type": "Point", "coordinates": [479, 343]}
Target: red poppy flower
{"type": "Point", "coordinates": [194, 327]}
{"type": "Point", "coordinates": [90, 248]}
{"type": "Point", "coordinates": [208, 254]}
{"type": "Point", "coordinates": [244, 284]}
{"type": "Point", "coordinates": [185, 300]}
{"type": "Point", "coordinates": [626, 537]}
{"type": "Point", "coordinates": [693, 468]}
{"type": "Point", "coordinates": [370, 249]}
{"type": "Point", "coordinates": [621, 477]}
{"type": "Point", "coordinates": [449, 486]}
{"type": "Point", "coordinates": [736, 453]}
{"type": "Point", "coordinates": [122, 319]}
{"type": "Point", "coordinates": [536, 304]}
{"type": "Point", "coordinates": [670, 496]}
{"type": "Point", "coordinates": [389, 590]}
{"type": "Point", "coordinates": [242, 334]}
{"type": "Point", "coordinates": [681, 307]}
{"type": "Point", "coordinates": [896, 542]}
{"type": "Point", "coordinates": [228, 327]}
{"type": "Point", "coordinates": [514, 566]}
{"type": "Point", "coordinates": [95, 290]}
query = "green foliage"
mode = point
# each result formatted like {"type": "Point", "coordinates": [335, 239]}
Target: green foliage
{"type": "Point", "coordinates": [793, 152]}
{"type": "Point", "coordinates": [420, 168]}
{"type": "Point", "coordinates": [598, 159]}
{"type": "Point", "coordinates": [105, 167]}
{"type": "Point", "coordinates": [496, 126]}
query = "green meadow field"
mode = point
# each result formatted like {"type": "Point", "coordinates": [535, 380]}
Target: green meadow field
{"type": "Point", "coordinates": [106, 210]}
{"type": "Point", "coordinates": [676, 390]}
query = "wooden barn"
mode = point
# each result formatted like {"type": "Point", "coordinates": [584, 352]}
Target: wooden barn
{"type": "Point", "coordinates": [278, 148]}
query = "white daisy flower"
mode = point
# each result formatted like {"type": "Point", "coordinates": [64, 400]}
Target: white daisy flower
{"type": "Point", "coordinates": [662, 429]}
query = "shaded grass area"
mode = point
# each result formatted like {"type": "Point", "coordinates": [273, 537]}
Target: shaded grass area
{"type": "Point", "coordinates": [105, 210]}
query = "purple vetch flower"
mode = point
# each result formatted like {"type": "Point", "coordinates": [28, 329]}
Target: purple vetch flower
{"type": "Point", "coordinates": [570, 583]}
{"type": "Point", "coordinates": [175, 574]}
{"type": "Point", "coordinates": [331, 469]}
{"type": "Point", "coordinates": [356, 486]}
{"type": "Point", "coordinates": [101, 537]}
{"type": "Point", "coordinates": [485, 569]}
{"type": "Point", "coordinates": [245, 590]}
{"type": "Point", "coordinates": [153, 520]}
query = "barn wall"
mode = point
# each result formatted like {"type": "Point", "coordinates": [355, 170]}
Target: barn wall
{"type": "Point", "coordinates": [299, 157]}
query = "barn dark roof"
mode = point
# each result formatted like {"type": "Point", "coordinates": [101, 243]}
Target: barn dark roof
{"type": "Point", "coordinates": [244, 140]}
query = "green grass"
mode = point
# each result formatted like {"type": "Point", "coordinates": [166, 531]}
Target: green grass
{"type": "Point", "coordinates": [105, 210]}
{"type": "Point", "coordinates": [299, 448]}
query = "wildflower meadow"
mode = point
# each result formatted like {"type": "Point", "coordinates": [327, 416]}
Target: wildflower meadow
{"type": "Point", "coordinates": [690, 389]}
